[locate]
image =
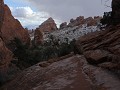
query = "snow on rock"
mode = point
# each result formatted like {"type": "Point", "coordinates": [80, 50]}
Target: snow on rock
{"type": "Point", "coordinates": [70, 33]}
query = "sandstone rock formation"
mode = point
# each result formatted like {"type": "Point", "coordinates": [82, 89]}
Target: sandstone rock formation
{"type": "Point", "coordinates": [81, 20]}
{"type": "Point", "coordinates": [11, 28]}
{"type": "Point", "coordinates": [62, 75]}
{"type": "Point", "coordinates": [1, 14]}
{"type": "Point", "coordinates": [96, 56]}
{"type": "Point", "coordinates": [63, 25]}
{"type": "Point", "coordinates": [46, 27]}
{"type": "Point", "coordinates": [38, 37]}
{"type": "Point", "coordinates": [5, 59]}
{"type": "Point", "coordinates": [78, 21]}
{"type": "Point", "coordinates": [107, 41]}
{"type": "Point", "coordinates": [70, 73]}
{"type": "Point", "coordinates": [92, 21]}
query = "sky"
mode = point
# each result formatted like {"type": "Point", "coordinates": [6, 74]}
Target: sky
{"type": "Point", "coordinates": [31, 13]}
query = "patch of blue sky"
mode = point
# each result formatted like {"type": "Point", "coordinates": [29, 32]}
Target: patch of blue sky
{"type": "Point", "coordinates": [19, 3]}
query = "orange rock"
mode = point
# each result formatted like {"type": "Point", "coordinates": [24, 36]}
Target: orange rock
{"type": "Point", "coordinates": [90, 21]}
{"type": "Point", "coordinates": [46, 27]}
{"type": "Point", "coordinates": [12, 28]}
{"type": "Point", "coordinates": [107, 41]}
{"type": "Point", "coordinates": [80, 21]}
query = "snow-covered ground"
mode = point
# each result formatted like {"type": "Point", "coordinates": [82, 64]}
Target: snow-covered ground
{"type": "Point", "coordinates": [68, 34]}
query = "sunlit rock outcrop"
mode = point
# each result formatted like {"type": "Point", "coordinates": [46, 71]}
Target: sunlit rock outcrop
{"type": "Point", "coordinates": [102, 47]}
{"type": "Point", "coordinates": [46, 27]}
{"type": "Point", "coordinates": [11, 28]}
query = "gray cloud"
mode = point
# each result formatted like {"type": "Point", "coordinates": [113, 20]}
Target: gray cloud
{"type": "Point", "coordinates": [32, 13]}
{"type": "Point", "coordinates": [28, 17]}
{"type": "Point", "coordinates": [67, 9]}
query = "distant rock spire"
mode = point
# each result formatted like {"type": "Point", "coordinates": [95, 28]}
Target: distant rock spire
{"type": "Point", "coordinates": [46, 27]}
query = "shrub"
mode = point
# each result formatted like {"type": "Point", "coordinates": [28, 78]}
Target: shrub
{"type": "Point", "coordinates": [30, 56]}
{"type": "Point", "coordinates": [107, 19]}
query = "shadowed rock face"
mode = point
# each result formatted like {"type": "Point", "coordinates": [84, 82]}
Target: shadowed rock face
{"type": "Point", "coordinates": [1, 15]}
{"type": "Point", "coordinates": [63, 25]}
{"type": "Point", "coordinates": [4, 53]}
{"type": "Point", "coordinates": [38, 37]}
{"type": "Point", "coordinates": [5, 59]}
{"type": "Point", "coordinates": [10, 28]}
{"type": "Point", "coordinates": [116, 9]}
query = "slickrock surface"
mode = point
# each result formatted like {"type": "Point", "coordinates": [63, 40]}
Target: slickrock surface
{"type": "Point", "coordinates": [65, 74]}
{"type": "Point", "coordinates": [102, 79]}
{"type": "Point", "coordinates": [71, 73]}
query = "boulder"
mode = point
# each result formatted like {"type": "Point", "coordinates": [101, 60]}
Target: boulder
{"type": "Point", "coordinates": [96, 56]}
{"type": "Point", "coordinates": [110, 66]}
